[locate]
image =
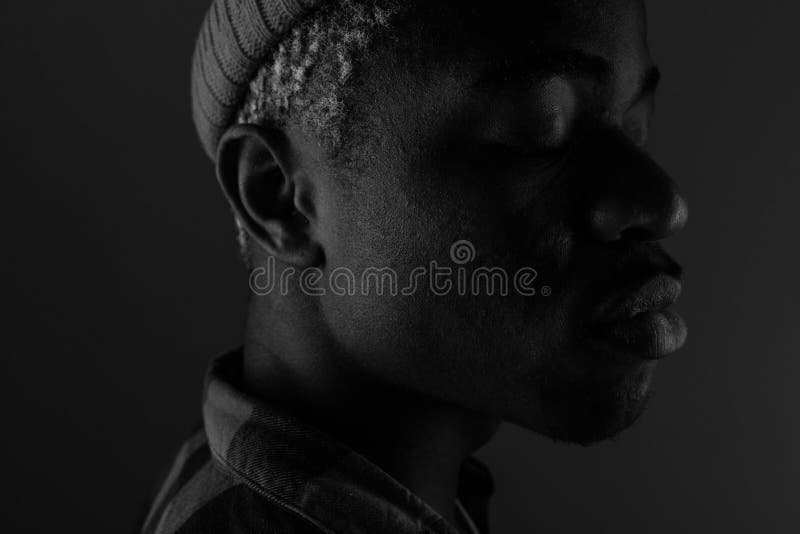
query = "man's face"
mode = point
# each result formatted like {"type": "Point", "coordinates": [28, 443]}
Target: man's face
{"type": "Point", "coordinates": [521, 130]}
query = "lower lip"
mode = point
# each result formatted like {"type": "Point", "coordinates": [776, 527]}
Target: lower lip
{"type": "Point", "coordinates": [650, 335]}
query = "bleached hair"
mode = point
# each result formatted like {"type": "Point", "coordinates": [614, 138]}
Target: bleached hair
{"type": "Point", "coordinates": [307, 79]}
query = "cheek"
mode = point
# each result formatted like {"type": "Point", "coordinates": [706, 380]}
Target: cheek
{"type": "Point", "coordinates": [459, 346]}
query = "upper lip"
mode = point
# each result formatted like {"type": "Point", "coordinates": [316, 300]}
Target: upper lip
{"type": "Point", "coordinates": [655, 293]}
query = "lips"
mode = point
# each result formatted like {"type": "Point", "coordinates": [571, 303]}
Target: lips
{"type": "Point", "coordinates": [639, 322]}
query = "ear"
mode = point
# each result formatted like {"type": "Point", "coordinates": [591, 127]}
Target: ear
{"type": "Point", "coordinates": [262, 179]}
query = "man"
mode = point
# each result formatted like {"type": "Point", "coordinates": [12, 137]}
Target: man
{"type": "Point", "coordinates": [450, 219]}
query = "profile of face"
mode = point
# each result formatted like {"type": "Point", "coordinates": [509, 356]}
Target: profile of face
{"type": "Point", "coordinates": [522, 130]}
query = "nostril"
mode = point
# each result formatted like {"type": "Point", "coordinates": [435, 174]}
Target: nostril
{"type": "Point", "coordinates": [642, 221]}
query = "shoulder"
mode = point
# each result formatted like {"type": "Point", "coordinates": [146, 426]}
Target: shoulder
{"type": "Point", "coordinates": [239, 509]}
{"type": "Point", "coordinates": [199, 497]}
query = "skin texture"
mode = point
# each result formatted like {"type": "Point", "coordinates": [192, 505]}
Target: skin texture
{"type": "Point", "coordinates": [495, 126]}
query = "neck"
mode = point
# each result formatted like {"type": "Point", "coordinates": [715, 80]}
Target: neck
{"type": "Point", "coordinates": [418, 441]}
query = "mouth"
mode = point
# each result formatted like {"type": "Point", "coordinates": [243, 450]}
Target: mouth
{"type": "Point", "coordinates": [640, 323]}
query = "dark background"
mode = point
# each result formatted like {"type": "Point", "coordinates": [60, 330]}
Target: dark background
{"type": "Point", "coordinates": [123, 279]}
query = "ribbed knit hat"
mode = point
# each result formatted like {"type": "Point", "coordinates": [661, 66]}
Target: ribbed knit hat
{"type": "Point", "coordinates": [236, 38]}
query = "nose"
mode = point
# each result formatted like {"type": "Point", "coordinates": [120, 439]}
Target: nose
{"type": "Point", "coordinates": [631, 196]}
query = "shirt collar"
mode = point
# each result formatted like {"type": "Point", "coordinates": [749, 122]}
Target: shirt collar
{"type": "Point", "coordinates": [307, 471]}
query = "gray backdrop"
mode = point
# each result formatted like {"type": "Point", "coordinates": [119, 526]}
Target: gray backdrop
{"type": "Point", "coordinates": [115, 299]}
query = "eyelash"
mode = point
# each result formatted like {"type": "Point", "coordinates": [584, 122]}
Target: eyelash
{"type": "Point", "coordinates": [542, 158]}
{"type": "Point", "coordinates": [532, 151]}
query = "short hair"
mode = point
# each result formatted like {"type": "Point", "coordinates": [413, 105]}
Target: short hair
{"type": "Point", "coordinates": [308, 79]}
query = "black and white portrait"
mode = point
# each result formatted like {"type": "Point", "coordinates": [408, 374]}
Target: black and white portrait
{"type": "Point", "coordinates": [401, 267]}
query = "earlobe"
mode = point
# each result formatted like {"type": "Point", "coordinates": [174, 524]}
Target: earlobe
{"type": "Point", "coordinates": [260, 176]}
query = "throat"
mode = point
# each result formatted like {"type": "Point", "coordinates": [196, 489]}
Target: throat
{"type": "Point", "coordinates": [419, 442]}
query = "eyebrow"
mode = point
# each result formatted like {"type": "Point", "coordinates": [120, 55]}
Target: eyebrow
{"type": "Point", "coordinates": [567, 61]}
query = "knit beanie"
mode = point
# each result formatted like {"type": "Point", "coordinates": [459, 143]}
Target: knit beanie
{"type": "Point", "coordinates": [236, 37]}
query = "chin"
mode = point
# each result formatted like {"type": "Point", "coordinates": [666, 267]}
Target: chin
{"type": "Point", "coordinates": [593, 410]}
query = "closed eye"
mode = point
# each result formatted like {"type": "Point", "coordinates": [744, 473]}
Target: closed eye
{"type": "Point", "coordinates": [541, 157]}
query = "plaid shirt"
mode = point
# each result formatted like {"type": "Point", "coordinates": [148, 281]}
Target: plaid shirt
{"type": "Point", "coordinates": [253, 469]}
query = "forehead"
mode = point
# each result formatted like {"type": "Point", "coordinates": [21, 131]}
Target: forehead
{"type": "Point", "coordinates": [525, 22]}
{"type": "Point", "coordinates": [451, 31]}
